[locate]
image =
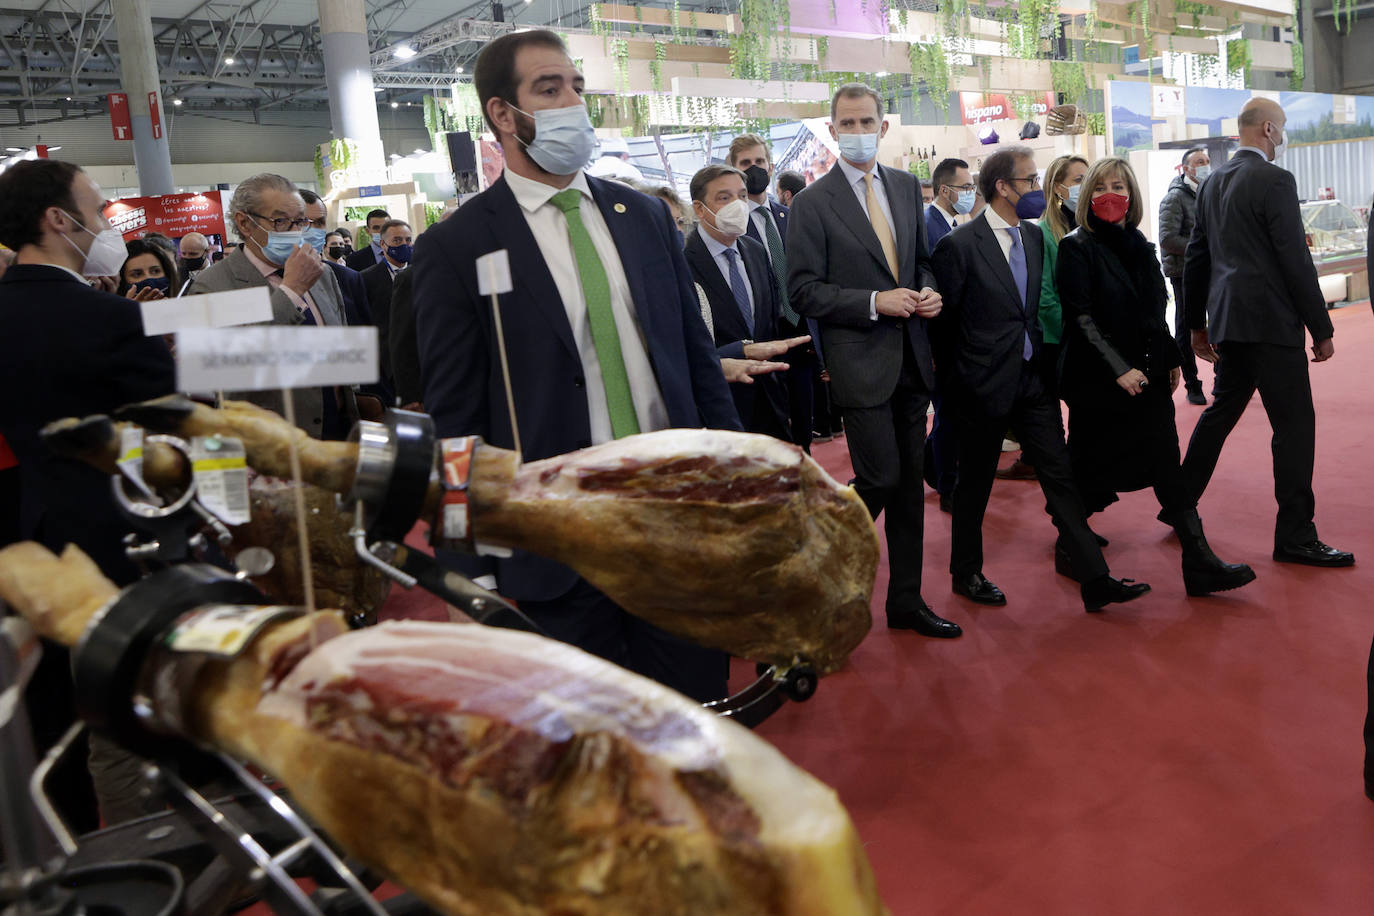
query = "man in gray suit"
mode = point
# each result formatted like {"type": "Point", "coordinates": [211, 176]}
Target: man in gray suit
{"type": "Point", "coordinates": [1250, 292]}
{"type": "Point", "coordinates": [268, 214]}
{"type": "Point", "coordinates": [859, 264]}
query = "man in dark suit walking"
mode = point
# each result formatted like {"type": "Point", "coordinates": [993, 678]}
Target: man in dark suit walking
{"type": "Point", "coordinates": [767, 225]}
{"type": "Point", "coordinates": [986, 343]}
{"type": "Point", "coordinates": [371, 253]}
{"type": "Point", "coordinates": [858, 263]}
{"type": "Point", "coordinates": [1250, 289]}
{"type": "Point", "coordinates": [603, 331]}
{"type": "Point", "coordinates": [380, 279]}
{"type": "Point", "coordinates": [746, 304]}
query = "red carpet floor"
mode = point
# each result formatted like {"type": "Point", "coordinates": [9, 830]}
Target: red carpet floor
{"type": "Point", "coordinates": [1173, 755]}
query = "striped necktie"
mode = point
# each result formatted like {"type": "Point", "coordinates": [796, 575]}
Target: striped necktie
{"type": "Point", "coordinates": [777, 255]}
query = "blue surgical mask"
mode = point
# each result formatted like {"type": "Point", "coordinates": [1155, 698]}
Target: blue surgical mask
{"type": "Point", "coordinates": [1031, 205]}
{"type": "Point", "coordinates": [377, 239]}
{"type": "Point", "coordinates": [1074, 193]}
{"type": "Point", "coordinates": [966, 201]}
{"type": "Point", "coordinates": [400, 253]}
{"type": "Point", "coordinates": [315, 238]}
{"type": "Point", "coordinates": [280, 245]}
{"type": "Point", "coordinates": [564, 139]}
{"type": "Point", "coordinates": [1201, 172]}
{"type": "Point", "coordinates": [161, 283]}
{"type": "Point", "coordinates": [858, 148]}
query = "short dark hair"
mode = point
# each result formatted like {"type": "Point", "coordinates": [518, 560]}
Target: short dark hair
{"type": "Point", "coordinates": [855, 91]}
{"type": "Point", "coordinates": [28, 189]}
{"type": "Point", "coordinates": [744, 142]}
{"type": "Point", "coordinates": [374, 215]}
{"type": "Point", "coordinates": [791, 181]}
{"type": "Point", "coordinates": [494, 74]}
{"type": "Point", "coordinates": [1196, 149]}
{"type": "Point", "coordinates": [1001, 166]}
{"type": "Point", "coordinates": [944, 173]}
{"type": "Point", "coordinates": [707, 175]}
{"type": "Point", "coordinates": [393, 223]}
{"type": "Point", "coordinates": [153, 247]}
{"type": "Point", "coordinates": [310, 197]}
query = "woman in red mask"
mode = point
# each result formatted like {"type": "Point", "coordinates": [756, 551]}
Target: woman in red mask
{"type": "Point", "coordinates": [1121, 368]}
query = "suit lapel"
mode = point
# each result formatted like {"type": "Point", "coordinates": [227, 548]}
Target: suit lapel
{"type": "Point", "coordinates": [779, 218]}
{"type": "Point", "coordinates": [1035, 264]}
{"type": "Point", "coordinates": [623, 232]}
{"type": "Point", "coordinates": [759, 272]}
{"type": "Point", "coordinates": [901, 215]}
{"type": "Point", "coordinates": [724, 313]}
{"type": "Point", "coordinates": [513, 233]}
{"type": "Point", "coordinates": [991, 251]}
{"type": "Point", "coordinates": [846, 206]}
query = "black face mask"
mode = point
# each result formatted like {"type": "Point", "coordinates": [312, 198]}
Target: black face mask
{"type": "Point", "coordinates": [756, 179]}
{"type": "Point", "coordinates": [336, 251]}
{"type": "Point", "coordinates": [192, 263]}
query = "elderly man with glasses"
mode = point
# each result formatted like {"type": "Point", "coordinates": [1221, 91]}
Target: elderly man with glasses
{"type": "Point", "coordinates": [268, 214]}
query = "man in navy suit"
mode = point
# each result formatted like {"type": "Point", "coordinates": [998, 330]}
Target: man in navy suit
{"type": "Point", "coordinates": [987, 343]}
{"type": "Point", "coordinates": [743, 293]}
{"type": "Point", "coordinates": [768, 226]}
{"type": "Point", "coordinates": [364, 258]}
{"type": "Point", "coordinates": [603, 331]}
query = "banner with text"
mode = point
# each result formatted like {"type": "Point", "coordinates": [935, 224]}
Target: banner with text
{"type": "Point", "coordinates": [274, 356]}
{"type": "Point", "coordinates": [173, 215]}
{"type": "Point", "coordinates": [983, 107]}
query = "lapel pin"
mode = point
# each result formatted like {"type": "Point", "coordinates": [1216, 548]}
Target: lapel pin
{"type": "Point", "coordinates": [620, 208]}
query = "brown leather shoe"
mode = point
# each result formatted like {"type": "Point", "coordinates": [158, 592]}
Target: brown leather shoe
{"type": "Point", "coordinates": [1017, 470]}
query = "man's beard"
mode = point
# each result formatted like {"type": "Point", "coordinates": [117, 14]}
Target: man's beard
{"type": "Point", "coordinates": [525, 134]}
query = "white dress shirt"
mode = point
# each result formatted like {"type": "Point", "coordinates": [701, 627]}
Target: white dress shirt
{"type": "Point", "coordinates": [999, 228]}
{"type": "Point", "coordinates": [718, 255]}
{"type": "Point", "coordinates": [762, 214]}
{"type": "Point", "coordinates": [550, 229]}
{"type": "Point", "coordinates": [855, 177]}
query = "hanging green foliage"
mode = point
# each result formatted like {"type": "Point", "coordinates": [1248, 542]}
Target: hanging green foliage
{"type": "Point", "coordinates": [620, 54]}
{"type": "Point", "coordinates": [432, 214]}
{"type": "Point", "coordinates": [930, 64]}
{"type": "Point", "coordinates": [763, 24]}
{"type": "Point", "coordinates": [1196, 10]}
{"type": "Point", "coordinates": [1208, 66]}
{"type": "Point", "coordinates": [1027, 25]}
{"type": "Point", "coordinates": [1344, 13]}
{"type": "Point", "coordinates": [1097, 123]}
{"type": "Point", "coordinates": [1238, 59]}
{"type": "Point", "coordinates": [678, 34]}
{"type": "Point", "coordinates": [1070, 79]}
{"type": "Point", "coordinates": [656, 65]}
{"type": "Point", "coordinates": [599, 26]}
{"type": "Point", "coordinates": [466, 110]}
{"type": "Point", "coordinates": [1299, 72]}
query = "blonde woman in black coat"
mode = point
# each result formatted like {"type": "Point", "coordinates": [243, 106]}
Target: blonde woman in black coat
{"type": "Point", "coordinates": [1121, 368]}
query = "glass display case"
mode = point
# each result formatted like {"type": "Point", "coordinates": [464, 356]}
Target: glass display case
{"type": "Point", "coordinates": [1334, 231]}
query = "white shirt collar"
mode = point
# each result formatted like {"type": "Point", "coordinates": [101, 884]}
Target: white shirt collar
{"type": "Point", "coordinates": [713, 245]}
{"type": "Point", "coordinates": [531, 194]}
{"type": "Point", "coordinates": [84, 280]}
{"type": "Point", "coordinates": [755, 206]}
{"type": "Point", "coordinates": [856, 175]}
{"type": "Point", "coordinates": [995, 219]}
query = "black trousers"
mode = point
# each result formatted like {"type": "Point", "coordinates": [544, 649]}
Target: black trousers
{"type": "Point", "coordinates": [1280, 375]}
{"type": "Point", "coordinates": [1184, 338]}
{"type": "Point", "coordinates": [943, 449]}
{"type": "Point", "coordinates": [887, 450]}
{"type": "Point", "coordinates": [1038, 424]}
{"type": "Point", "coordinates": [586, 618]}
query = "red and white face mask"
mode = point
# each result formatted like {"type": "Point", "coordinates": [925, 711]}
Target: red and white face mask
{"type": "Point", "coordinates": [1111, 208]}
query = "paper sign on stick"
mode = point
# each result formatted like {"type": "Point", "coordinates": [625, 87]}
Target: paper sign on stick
{"type": "Point", "coordinates": [212, 310]}
{"type": "Point", "coordinates": [265, 357]}
{"type": "Point", "coordinates": [493, 273]}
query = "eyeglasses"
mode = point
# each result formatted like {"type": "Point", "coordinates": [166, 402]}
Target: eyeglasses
{"type": "Point", "coordinates": [965, 187]}
{"type": "Point", "coordinates": [1034, 180]}
{"type": "Point", "coordinates": [285, 224]}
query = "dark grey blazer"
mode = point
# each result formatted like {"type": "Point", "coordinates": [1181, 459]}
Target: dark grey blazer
{"type": "Point", "coordinates": [1248, 276]}
{"type": "Point", "coordinates": [237, 272]}
{"type": "Point", "coordinates": [980, 333]}
{"type": "Point", "coordinates": [834, 264]}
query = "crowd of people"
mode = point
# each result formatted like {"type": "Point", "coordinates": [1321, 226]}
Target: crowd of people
{"type": "Point", "coordinates": [847, 307]}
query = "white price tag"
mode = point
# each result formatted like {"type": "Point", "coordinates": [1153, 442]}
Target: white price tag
{"type": "Point", "coordinates": [220, 469]}
{"type": "Point", "coordinates": [264, 357]}
{"type": "Point", "coordinates": [213, 310]}
{"type": "Point", "coordinates": [493, 273]}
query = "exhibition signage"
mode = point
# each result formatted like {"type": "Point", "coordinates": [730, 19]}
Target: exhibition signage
{"type": "Point", "coordinates": [119, 116]}
{"type": "Point", "coordinates": [154, 116]}
{"type": "Point", "coordinates": [173, 215]}
{"type": "Point", "coordinates": [211, 310]}
{"type": "Point", "coordinates": [982, 108]}
{"type": "Point", "coordinates": [266, 357]}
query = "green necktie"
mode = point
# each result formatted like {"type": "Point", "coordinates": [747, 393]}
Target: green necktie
{"type": "Point", "coordinates": [596, 291]}
{"type": "Point", "coordinates": [778, 256]}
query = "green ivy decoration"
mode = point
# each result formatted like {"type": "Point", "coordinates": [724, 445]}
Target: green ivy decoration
{"type": "Point", "coordinates": [677, 21]}
{"type": "Point", "coordinates": [1070, 80]}
{"type": "Point", "coordinates": [656, 65]}
{"type": "Point", "coordinates": [432, 214]}
{"type": "Point", "coordinates": [1344, 13]}
{"type": "Point", "coordinates": [319, 168]}
{"type": "Point", "coordinates": [1097, 123]}
{"type": "Point", "coordinates": [620, 53]}
{"type": "Point", "coordinates": [1208, 66]}
{"type": "Point", "coordinates": [1299, 73]}
{"type": "Point", "coordinates": [930, 63]}
{"type": "Point", "coordinates": [1196, 10]}
{"type": "Point", "coordinates": [1238, 59]}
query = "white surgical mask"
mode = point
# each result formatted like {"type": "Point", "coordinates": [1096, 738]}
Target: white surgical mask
{"type": "Point", "coordinates": [1201, 172]}
{"type": "Point", "coordinates": [1075, 191]}
{"type": "Point", "coordinates": [564, 139]}
{"type": "Point", "coordinates": [107, 254]}
{"type": "Point", "coordinates": [858, 148]}
{"type": "Point", "coordinates": [733, 218]}
{"type": "Point", "coordinates": [1281, 147]}
{"type": "Point", "coordinates": [965, 202]}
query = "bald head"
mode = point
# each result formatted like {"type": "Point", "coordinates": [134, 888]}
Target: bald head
{"type": "Point", "coordinates": [1261, 124]}
{"type": "Point", "coordinates": [194, 245]}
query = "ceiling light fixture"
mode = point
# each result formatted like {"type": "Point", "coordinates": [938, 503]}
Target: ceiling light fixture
{"type": "Point", "coordinates": [405, 52]}
{"type": "Point", "coordinates": [395, 104]}
{"type": "Point", "coordinates": [229, 61]}
{"type": "Point", "coordinates": [176, 102]}
{"type": "Point", "coordinates": [460, 68]}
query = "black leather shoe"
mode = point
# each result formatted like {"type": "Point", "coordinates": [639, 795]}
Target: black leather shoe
{"type": "Point", "coordinates": [923, 620]}
{"type": "Point", "coordinates": [946, 504]}
{"type": "Point", "coordinates": [1105, 590]}
{"type": "Point", "coordinates": [976, 587]}
{"type": "Point", "coordinates": [1314, 553]}
{"type": "Point", "coordinates": [1198, 398]}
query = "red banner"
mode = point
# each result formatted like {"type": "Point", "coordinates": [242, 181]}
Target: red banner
{"type": "Point", "coordinates": [119, 116]}
{"type": "Point", "coordinates": [981, 108]}
{"type": "Point", "coordinates": [154, 116]}
{"type": "Point", "coordinates": [172, 215]}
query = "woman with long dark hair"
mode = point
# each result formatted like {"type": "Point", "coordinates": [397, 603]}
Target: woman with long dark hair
{"type": "Point", "coordinates": [1121, 368]}
{"type": "Point", "coordinates": [148, 266]}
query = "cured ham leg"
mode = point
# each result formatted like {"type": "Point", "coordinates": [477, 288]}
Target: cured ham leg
{"type": "Point", "coordinates": [495, 772]}
{"type": "Point", "coordinates": [735, 541]}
